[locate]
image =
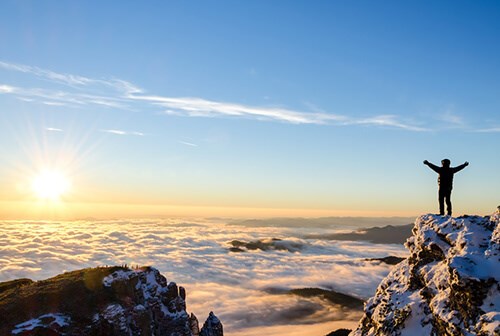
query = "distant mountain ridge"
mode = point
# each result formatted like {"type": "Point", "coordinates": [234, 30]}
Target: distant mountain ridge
{"type": "Point", "coordinates": [388, 234]}
{"type": "Point", "coordinates": [323, 222]}
{"type": "Point", "coordinates": [111, 301]}
{"type": "Point", "coordinates": [333, 297]}
{"type": "Point", "coordinates": [449, 285]}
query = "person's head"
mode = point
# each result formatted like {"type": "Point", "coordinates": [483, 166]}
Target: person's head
{"type": "Point", "coordinates": [445, 163]}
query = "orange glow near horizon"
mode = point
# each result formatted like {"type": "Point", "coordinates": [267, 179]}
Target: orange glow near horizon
{"type": "Point", "coordinates": [56, 185]}
{"type": "Point", "coordinates": [43, 210]}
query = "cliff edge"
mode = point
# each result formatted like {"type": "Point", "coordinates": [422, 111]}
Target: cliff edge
{"type": "Point", "coordinates": [100, 301]}
{"type": "Point", "coordinates": [449, 285]}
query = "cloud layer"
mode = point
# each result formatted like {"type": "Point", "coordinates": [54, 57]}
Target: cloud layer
{"type": "Point", "coordinates": [195, 255]}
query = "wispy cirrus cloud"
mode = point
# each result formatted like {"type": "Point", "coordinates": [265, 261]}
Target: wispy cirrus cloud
{"type": "Point", "coordinates": [120, 132]}
{"type": "Point", "coordinates": [451, 119]}
{"type": "Point", "coordinates": [57, 97]}
{"type": "Point", "coordinates": [389, 121]}
{"type": "Point", "coordinates": [6, 89]}
{"type": "Point", "coordinates": [121, 94]}
{"type": "Point", "coordinates": [198, 107]}
{"type": "Point", "coordinates": [70, 79]}
{"type": "Point", "coordinates": [53, 103]}
{"type": "Point", "coordinates": [64, 78]}
{"type": "Point", "coordinates": [188, 143]}
{"type": "Point", "coordinates": [489, 130]}
{"type": "Point", "coordinates": [53, 129]}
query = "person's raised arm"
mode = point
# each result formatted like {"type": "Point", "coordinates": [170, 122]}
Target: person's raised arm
{"type": "Point", "coordinates": [462, 166]}
{"type": "Point", "coordinates": [432, 166]}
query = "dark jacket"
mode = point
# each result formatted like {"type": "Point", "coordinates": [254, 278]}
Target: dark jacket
{"type": "Point", "coordinates": [445, 179]}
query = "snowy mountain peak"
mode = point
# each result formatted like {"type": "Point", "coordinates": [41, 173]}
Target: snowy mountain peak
{"type": "Point", "coordinates": [449, 285]}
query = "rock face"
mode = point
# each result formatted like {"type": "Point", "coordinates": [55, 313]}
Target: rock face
{"type": "Point", "coordinates": [448, 286]}
{"type": "Point", "coordinates": [212, 326]}
{"type": "Point", "coordinates": [100, 301]}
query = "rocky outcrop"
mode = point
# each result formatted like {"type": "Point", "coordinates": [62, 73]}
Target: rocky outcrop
{"type": "Point", "coordinates": [100, 301]}
{"type": "Point", "coordinates": [449, 285]}
{"type": "Point", "coordinates": [212, 326]}
{"type": "Point", "coordinates": [274, 244]}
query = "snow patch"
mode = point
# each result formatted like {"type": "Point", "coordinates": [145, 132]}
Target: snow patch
{"type": "Point", "coordinates": [120, 275]}
{"type": "Point", "coordinates": [46, 321]}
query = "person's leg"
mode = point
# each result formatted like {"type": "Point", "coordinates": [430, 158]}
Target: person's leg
{"type": "Point", "coordinates": [448, 201]}
{"type": "Point", "coordinates": [441, 202]}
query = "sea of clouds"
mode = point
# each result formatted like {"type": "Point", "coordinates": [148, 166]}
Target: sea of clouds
{"type": "Point", "coordinates": [195, 254]}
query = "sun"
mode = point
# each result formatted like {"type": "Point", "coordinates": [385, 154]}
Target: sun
{"type": "Point", "coordinates": [50, 185]}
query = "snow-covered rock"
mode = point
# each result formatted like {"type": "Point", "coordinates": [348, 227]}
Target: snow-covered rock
{"type": "Point", "coordinates": [101, 301]}
{"type": "Point", "coordinates": [212, 326]}
{"type": "Point", "coordinates": [52, 322]}
{"type": "Point", "coordinates": [449, 285]}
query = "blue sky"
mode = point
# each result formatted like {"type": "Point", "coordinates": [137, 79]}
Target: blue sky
{"type": "Point", "coordinates": [325, 106]}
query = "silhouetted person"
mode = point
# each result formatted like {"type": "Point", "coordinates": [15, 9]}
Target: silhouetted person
{"type": "Point", "coordinates": [445, 182]}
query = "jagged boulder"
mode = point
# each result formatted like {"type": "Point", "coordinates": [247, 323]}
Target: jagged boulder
{"type": "Point", "coordinates": [449, 285]}
{"type": "Point", "coordinates": [212, 326]}
{"type": "Point", "coordinates": [99, 301]}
